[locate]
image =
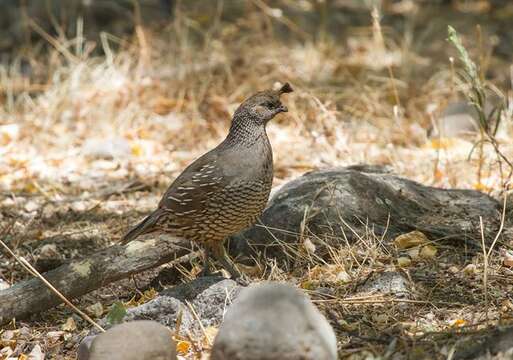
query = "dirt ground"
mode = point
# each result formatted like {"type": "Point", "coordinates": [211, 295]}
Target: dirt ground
{"type": "Point", "coordinates": [88, 143]}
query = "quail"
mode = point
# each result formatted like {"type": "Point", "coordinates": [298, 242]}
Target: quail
{"type": "Point", "coordinates": [225, 190]}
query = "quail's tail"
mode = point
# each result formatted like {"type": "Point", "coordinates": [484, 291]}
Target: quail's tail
{"type": "Point", "coordinates": [144, 227]}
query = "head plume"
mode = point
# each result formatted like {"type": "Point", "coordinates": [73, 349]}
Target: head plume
{"type": "Point", "coordinates": [286, 88]}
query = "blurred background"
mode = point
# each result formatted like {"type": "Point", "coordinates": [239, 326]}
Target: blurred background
{"type": "Point", "coordinates": [96, 90]}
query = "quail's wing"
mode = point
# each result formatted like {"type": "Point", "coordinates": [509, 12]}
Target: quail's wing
{"type": "Point", "coordinates": [191, 190]}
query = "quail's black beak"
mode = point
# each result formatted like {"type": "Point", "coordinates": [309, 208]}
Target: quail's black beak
{"type": "Point", "coordinates": [282, 108]}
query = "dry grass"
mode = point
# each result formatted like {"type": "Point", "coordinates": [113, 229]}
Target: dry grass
{"type": "Point", "coordinates": [74, 146]}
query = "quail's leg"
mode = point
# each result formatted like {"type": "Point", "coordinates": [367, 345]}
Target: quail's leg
{"type": "Point", "coordinates": [207, 255]}
{"type": "Point", "coordinates": [218, 252]}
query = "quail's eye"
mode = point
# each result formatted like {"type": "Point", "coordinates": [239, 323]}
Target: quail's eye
{"type": "Point", "coordinates": [269, 105]}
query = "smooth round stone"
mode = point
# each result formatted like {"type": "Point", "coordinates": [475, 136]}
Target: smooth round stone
{"type": "Point", "coordinates": [135, 340]}
{"type": "Point", "coordinates": [274, 321]}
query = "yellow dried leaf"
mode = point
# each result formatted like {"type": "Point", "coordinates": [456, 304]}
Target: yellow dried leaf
{"type": "Point", "coordinates": [309, 285]}
{"type": "Point", "coordinates": [403, 261]}
{"type": "Point", "coordinates": [411, 239]}
{"type": "Point", "coordinates": [163, 105]}
{"type": "Point", "coordinates": [69, 325]}
{"type": "Point", "coordinates": [329, 273]}
{"type": "Point", "coordinates": [23, 357]}
{"type": "Point", "coordinates": [481, 187]}
{"type": "Point", "coordinates": [183, 347]}
{"type": "Point", "coordinates": [441, 143]}
{"type": "Point", "coordinates": [146, 296]}
{"type": "Point", "coordinates": [17, 162]}
{"type": "Point", "coordinates": [8, 133]}
{"type": "Point", "coordinates": [428, 252]}
{"type": "Point", "coordinates": [136, 150]}
{"type": "Point", "coordinates": [458, 323]}
{"type": "Point", "coordinates": [30, 188]}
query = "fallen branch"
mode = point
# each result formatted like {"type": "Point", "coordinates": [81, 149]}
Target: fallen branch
{"type": "Point", "coordinates": [80, 277]}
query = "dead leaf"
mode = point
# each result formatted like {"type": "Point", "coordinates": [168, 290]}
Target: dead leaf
{"type": "Point", "coordinates": [6, 352]}
{"type": "Point", "coordinates": [482, 187]}
{"type": "Point", "coordinates": [36, 353]}
{"type": "Point", "coordinates": [458, 323]}
{"type": "Point", "coordinates": [309, 246]}
{"type": "Point", "coordinates": [183, 347]}
{"type": "Point", "coordinates": [8, 133]}
{"type": "Point", "coordinates": [136, 150]}
{"type": "Point", "coordinates": [329, 273]}
{"type": "Point", "coordinates": [308, 285]}
{"type": "Point", "coordinates": [506, 306]}
{"type": "Point", "coordinates": [453, 269]}
{"type": "Point", "coordinates": [55, 335]}
{"type": "Point", "coordinates": [507, 258]}
{"type": "Point", "coordinates": [411, 239]}
{"type": "Point", "coordinates": [164, 105]}
{"type": "Point", "coordinates": [95, 310]}
{"type": "Point", "coordinates": [69, 325]}
{"type": "Point", "coordinates": [441, 143]}
{"type": "Point", "coordinates": [428, 252]}
{"type": "Point", "coordinates": [470, 269]}
{"type": "Point", "coordinates": [438, 175]}
{"type": "Point", "coordinates": [403, 261]}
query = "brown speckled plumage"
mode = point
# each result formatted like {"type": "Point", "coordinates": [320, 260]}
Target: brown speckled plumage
{"type": "Point", "coordinates": [226, 189]}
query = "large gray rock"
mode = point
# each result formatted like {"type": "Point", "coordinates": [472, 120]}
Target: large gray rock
{"type": "Point", "coordinates": [274, 321]}
{"type": "Point", "coordinates": [164, 310]}
{"type": "Point", "coordinates": [208, 296]}
{"type": "Point", "coordinates": [136, 340]}
{"type": "Point", "coordinates": [338, 202]}
{"type": "Point", "coordinates": [210, 305]}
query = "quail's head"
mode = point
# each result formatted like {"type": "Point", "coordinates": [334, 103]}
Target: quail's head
{"type": "Point", "coordinates": [264, 105]}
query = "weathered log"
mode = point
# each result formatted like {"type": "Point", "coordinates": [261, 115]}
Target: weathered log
{"type": "Point", "coordinates": [80, 277]}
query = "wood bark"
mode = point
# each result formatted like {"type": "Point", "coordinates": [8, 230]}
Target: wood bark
{"type": "Point", "coordinates": [80, 277]}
